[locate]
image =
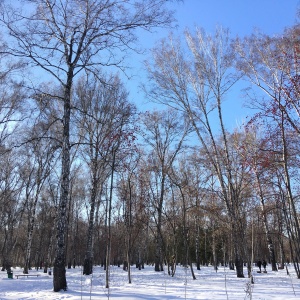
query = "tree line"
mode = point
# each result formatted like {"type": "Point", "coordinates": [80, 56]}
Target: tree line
{"type": "Point", "coordinates": [86, 178]}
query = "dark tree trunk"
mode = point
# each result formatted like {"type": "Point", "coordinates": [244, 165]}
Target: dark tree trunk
{"type": "Point", "coordinates": [59, 268]}
{"type": "Point", "coordinates": [88, 260]}
{"type": "Point", "coordinates": [158, 253]}
{"type": "Point", "coordinates": [239, 266]}
{"type": "Point", "coordinates": [271, 251]}
{"type": "Point", "coordinates": [108, 245]}
{"type": "Point", "coordinates": [128, 266]}
{"type": "Point", "coordinates": [198, 247]}
{"type": "Point", "coordinates": [159, 239]}
{"type": "Point", "coordinates": [236, 239]}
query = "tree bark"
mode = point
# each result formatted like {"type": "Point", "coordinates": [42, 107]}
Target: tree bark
{"type": "Point", "coordinates": [108, 246]}
{"type": "Point", "coordinates": [197, 246]}
{"type": "Point", "coordinates": [30, 235]}
{"type": "Point", "coordinates": [88, 260]}
{"type": "Point", "coordinates": [159, 238]}
{"type": "Point", "coordinates": [266, 225]}
{"type": "Point", "coordinates": [59, 271]}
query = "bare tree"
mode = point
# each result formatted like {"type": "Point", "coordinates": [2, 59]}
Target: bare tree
{"type": "Point", "coordinates": [165, 134]}
{"type": "Point", "coordinates": [106, 108]}
{"type": "Point", "coordinates": [63, 38]}
{"type": "Point", "coordinates": [198, 87]}
{"type": "Point", "coordinates": [260, 156]}
{"type": "Point", "coordinates": [180, 177]}
{"type": "Point", "coordinates": [10, 207]}
{"type": "Point", "coordinates": [272, 65]}
{"type": "Point", "coordinates": [36, 168]}
{"type": "Point", "coordinates": [131, 189]}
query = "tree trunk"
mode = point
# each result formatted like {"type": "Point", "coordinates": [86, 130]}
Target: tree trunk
{"type": "Point", "coordinates": [158, 250]}
{"type": "Point", "coordinates": [128, 207]}
{"type": "Point", "coordinates": [129, 266]}
{"type": "Point", "coordinates": [108, 246]}
{"type": "Point", "coordinates": [197, 246]}
{"type": "Point", "coordinates": [30, 236]}
{"type": "Point", "coordinates": [237, 251]}
{"type": "Point", "coordinates": [266, 226]}
{"type": "Point", "coordinates": [214, 250]}
{"type": "Point", "coordinates": [59, 271]}
{"type": "Point", "coordinates": [270, 246]}
{"type": "Point", "coordinates": [7, 249]}
{"type": "Point", "coordinates": [280, 239]}
{"type": "Point", "coordinates": [88, 260]}
{"type": "Point", "coordinates": [159, 239]}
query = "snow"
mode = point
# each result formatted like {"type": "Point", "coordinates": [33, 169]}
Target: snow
{"type": "Point", "coordinates": [150, 285]}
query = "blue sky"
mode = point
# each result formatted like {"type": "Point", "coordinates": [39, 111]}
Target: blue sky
{"type": "Point", "coordinates": [242, 17]}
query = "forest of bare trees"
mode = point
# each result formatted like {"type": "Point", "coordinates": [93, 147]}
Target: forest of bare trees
{"type": "Point", "coordinates": [88, 178]}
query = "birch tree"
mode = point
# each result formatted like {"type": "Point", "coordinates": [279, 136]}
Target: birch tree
{"type": "Point", "coordinates": [10, 207]}
{"type": "Point", "coordinates": [35, 171]}
{"type": "Point", "coordinates": [62, 38]}
{"type": "Point", "coordinates": [106, 109]}
{"type": "Point", "coordinates": [165, 134]}
{"type": "Point", "coordinates": [272, 65]}
{"type": "Point", "coordinates": [195, 79]}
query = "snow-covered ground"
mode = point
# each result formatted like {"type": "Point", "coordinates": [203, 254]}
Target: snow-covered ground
{"type": "Point", "coordinates": [149, 285]}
